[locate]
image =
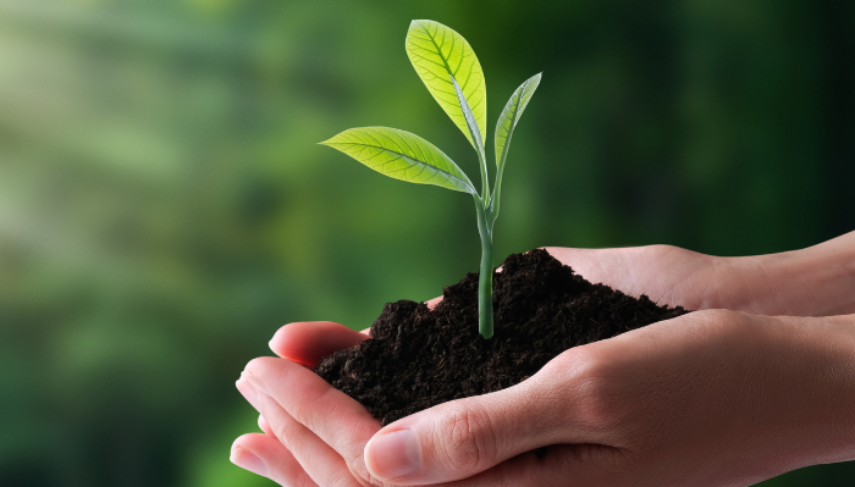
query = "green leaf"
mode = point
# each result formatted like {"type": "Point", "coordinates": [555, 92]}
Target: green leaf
{"type": "Point", "coordinates": [504, 130]}
{"type": "Point", "coordinates": [401, 155]}
{"type": "Point", "coordinates": [472, 127]}
{"type": "Point", "coordinates": [438, 52]}
{"type": "Point", "coordinates": [475, 136]}
{"type": "Point", "coordinates": [510, 116]}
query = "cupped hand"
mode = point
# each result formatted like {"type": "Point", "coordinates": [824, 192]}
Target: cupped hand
{"type": "Point", "coordinates": [307, 343]}
{"type": "Point", "coordinates": [713, 398]}
{"type": "Point", "coordinates": [318, 436]}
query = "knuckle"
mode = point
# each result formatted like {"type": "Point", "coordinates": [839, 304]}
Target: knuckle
{"type": "Point", "coordinates": [716, 315]}
{"type": "Point", "coordinates": [568, 362]}
{"type": "Point", "coordinates": [598, 408]}
{"type": "Point", "coordinates": [732, 330]}
{"type": "Point", "coordinates": [720, 320]}
{"type": "Point", "coordinates": [470, 440]}
{"type": "Point", "coordinates": [661, 248]}
{"type": "Point", "coordinates": [283, 433]}
{"type": "Point", "coordinates": [658, 251]}
{"type": "Point", "coordinates": [596, 387]}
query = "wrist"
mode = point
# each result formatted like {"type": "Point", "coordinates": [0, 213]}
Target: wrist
{"type": "Point", "coordinates": [816, 281]}
{"type": "Point", "coordinates": [818, 365]}
{"type": "Point", "coordinates": [829, 268]}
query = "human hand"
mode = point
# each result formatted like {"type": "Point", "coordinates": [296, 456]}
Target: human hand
{"type": "Point", "coordinates": [668, 275]}
{"type": "Point", "coordinates": [816, 281]}
{"type": "Point", "coordinates": [625, 269]}
{"type": "Point", "coordinates": [810, 282]}
{"type": "Point", "coordinates": [298, 446]}
{"type": "Point", "coordinates": [308, 343]}
{"type": "Point", "coordinates": [712, 398]}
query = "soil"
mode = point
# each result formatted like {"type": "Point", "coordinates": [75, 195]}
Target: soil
{"type": "Point", "coordinates": [417, 358]}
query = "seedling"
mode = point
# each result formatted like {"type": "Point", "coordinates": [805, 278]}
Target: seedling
{"type": "Point", "coordinates": [449, 68]}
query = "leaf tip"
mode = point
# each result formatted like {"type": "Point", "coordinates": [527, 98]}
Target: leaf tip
{"type": "Point", "coordinates": [329, 142]}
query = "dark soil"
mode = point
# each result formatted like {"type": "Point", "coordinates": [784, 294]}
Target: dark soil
{"type": "Point", "coordinates": [417, 358]}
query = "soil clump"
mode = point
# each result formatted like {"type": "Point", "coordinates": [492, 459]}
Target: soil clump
{"type": "Point", "coordinates": [417, 358]}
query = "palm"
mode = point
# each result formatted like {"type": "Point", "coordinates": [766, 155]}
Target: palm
{"type": "Point", "coordinates": [667, 275]}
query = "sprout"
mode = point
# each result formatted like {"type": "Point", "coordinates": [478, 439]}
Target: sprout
{"type": "Point", "coordinates": [449, 68]}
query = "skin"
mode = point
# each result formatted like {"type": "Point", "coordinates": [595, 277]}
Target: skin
{"type": "Point", "coordinates": [713, 398]}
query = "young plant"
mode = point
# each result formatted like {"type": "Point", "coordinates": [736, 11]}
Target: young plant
{"type": "Point", "coordinates": [449, 68]}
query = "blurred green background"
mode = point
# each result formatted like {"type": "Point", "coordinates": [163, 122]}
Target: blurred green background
{"type": "Point", "coordinates": [164, 207]}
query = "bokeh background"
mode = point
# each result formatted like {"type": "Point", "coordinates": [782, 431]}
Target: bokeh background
{"type": "Point", "coordinates": [164, 207]}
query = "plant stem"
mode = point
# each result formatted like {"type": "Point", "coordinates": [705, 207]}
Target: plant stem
{"type": "Point", "coordinates": [485, 180]}
{"type": "Point", "coordinates": [493, 208]}
{"type": "Point", "coordinates": [485, 281]}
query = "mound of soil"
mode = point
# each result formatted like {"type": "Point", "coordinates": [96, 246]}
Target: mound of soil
{"type": "Point", "coordinates": [417, 358]}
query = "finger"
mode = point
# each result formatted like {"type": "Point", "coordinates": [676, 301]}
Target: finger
{"type": "Point", "coordinates": [431, 304]}
{"type": "Point", "coordinates": [266, 456]}
{"type": "Point", "coordinates": [461, 438]}
{"type": "Point", "coordinates": [265, 427]}
{"type": "Point", "coordinates": [308, 342]}
{"type": "Point", "coordinates": [318, 459]}
{"type": "Point", "coordinates": [339, 421]}
{"type": "Point", "coordinates": [250, 395]}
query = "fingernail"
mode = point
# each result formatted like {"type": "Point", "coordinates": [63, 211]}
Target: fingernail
{"type": "Point", "coordinates": [257, 383]}
{"type": "Point", "coordinates": [247, 461]}
{"type": "Point", "coordinates": [248, 391]}
{"type": "Point", "coordinates": [393, 454]}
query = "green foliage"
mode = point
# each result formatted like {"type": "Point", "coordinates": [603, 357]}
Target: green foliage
{"type": "Point", "coordinates": [440, 55]}
{"type": "Point", "coordinates": [505, 130]}
{"type": "Point", "coordinates": [475, 136]}
{"type": "Point", "coordinates": [401, 155]}
{"type": "Point", "coordinates": [510, 116]}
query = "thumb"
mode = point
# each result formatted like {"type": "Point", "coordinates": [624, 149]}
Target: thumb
{"type": "Point", "coordinates": [461, 438]}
